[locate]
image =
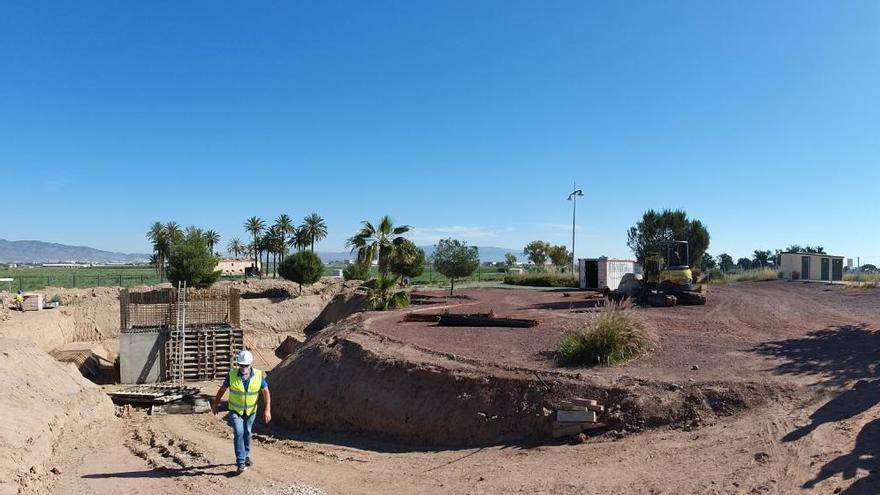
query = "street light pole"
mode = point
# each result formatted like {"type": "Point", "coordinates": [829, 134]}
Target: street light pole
{"type": "Point", "coordinates": [573, 198]}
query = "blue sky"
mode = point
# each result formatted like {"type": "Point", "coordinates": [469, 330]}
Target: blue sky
{"type": "Point", "coordinates": [464, 119]}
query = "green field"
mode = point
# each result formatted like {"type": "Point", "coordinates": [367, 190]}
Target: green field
{"type": "Point", "coordinates": [34, 278]}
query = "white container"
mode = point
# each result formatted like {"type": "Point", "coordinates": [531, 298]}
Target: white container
{"type": "Point", "coordinates": [602, 273]}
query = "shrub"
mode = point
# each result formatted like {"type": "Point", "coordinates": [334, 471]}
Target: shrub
{"type": "Point", "coordinates": [613, 336]}
{"type": "Point", "coordinates": [356, 271]}
{"type": "Point", "coordinates": [304, 267]}
{"type": "Point", "coordinates": [381, 295]}
{"type": "Point", "coordinates": [542, 279]}
{"type": "Point", "coordinates": [190, 260]}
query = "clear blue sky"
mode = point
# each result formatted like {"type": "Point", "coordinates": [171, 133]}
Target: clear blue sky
{"type": "Point", "coordinates": [469, 119]}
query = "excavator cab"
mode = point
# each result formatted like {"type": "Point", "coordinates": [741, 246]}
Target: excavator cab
{"type": "Point", "coordinates": [675, 269]}
{"type": "Point", "coordinates": [668, 279]}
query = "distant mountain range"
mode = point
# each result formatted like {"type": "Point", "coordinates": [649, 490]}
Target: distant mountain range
{"type": "Point", "coordinates": [50, 252]}
{"type": "Point", "coordinates": [487, 253]}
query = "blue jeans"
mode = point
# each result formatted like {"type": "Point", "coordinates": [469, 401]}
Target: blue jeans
{"type": "Point", "coordinates": [242, 427]}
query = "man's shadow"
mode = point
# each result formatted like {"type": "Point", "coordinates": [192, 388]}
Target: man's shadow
{"type": "Point", "coordinates": [864, 395]}
{"type": "Point", "coordinates": [864, 455]}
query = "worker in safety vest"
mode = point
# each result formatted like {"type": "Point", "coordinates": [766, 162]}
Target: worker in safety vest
{"type": "Point", "coordinates": [245, 385]}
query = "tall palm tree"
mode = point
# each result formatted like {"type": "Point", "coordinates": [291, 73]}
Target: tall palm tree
{"type": "Point", "coordinates": [255, 226]}
{"type": "Point", "coordinates": [285, 227]}
{"type": "Point", "coordinates": [300, 239]}
{"type": "Point", "coordinates": [173, 231]}
{"type": "Point", "coordinates": [315, 228]}
{"type": "Point", "coordinates": [377, 242]}
{"type": "Point", "coordinates": [213, 238]}
{"type": "Point", "coordinates": [236, 247]}
{"type": "Point", "coordinates": [274, 246]}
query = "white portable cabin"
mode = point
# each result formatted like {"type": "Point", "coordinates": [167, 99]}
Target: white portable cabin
{"type": "Point", "coordinates": [811, 266]}
{"type": "Point", "coordinates": [601, 273]}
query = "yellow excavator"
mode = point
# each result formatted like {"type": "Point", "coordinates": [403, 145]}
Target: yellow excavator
{"type": "Point", "coordinates": [666, 278]}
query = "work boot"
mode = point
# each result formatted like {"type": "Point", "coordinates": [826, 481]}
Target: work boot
{"type": "Point", "coordinates": [241, 468]}
{"type": "Point", "coordinates": [247, 462]}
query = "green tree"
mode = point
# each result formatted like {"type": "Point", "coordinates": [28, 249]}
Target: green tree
{"type": "Point", "coordinates": [744, 263]}
{"type": "Point", "coordinates": [407, 260]}
{"type": "Point", "coordinates": [761, 259]}
{"type": "Point", "coordinates": [509, 259]}
{"type": "Point", "coordinates": [191, 260]}
{"type": "Point", "coordinates": [725, 262]}
{"type": "Point", "coordinates": [236, 247]}
{"type": "Point", "coordinates": [275, 246]}
{"type": "Point", "coordinates": [356, 271]}
{"type": "Point", "coordinates": [559, 256]}
{"type": "Point", "coordinates": [377, 242]}
{"type": "Point", "coordinates": [285, 227]}
{"type": "Point", "coordinates": [255, 226]}
{"type": "Point", "coordinates": [381, 295]}
{"type": "Point", "coordinates": [163, 237]}
{"type": "Point", "coordinates": [315, 229]}
{"type": "Point", "coordinates": [707, 263]}
{"type": "Point", "coordinates": [213, 238]}
{"type": "Point", "coordinates": [536, 252]}
{"type": "Point", "coordinates": [669, 225]}
{"type": "Point", "coordinates": [455, 259]}
{"type": "Point", "coordinates": [304, 267]}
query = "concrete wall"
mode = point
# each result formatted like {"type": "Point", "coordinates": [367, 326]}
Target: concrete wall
{"type": "Point", "coordinates": [142, 357]}
{"type": "Point", "coordinates": [235, 267]}
{"type": "Point", "coordinates": [791, 262]}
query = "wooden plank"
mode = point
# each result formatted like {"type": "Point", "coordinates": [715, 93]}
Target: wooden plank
{"type": "Point", "coordinates": [575, 416]}
{"type": "Point", "coordinates": [566, 431]}
{"type": "Point", "coordinates": [578, 401]}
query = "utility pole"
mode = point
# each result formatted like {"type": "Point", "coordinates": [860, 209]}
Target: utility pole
{"type": "Point", "coordinates": [573, 198]}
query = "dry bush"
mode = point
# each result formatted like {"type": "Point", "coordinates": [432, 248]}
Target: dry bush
{"type": "Point", "coordinates": [612, 336]}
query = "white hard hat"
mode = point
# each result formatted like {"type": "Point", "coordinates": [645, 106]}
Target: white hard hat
{"type": "Point", "coordinates": [244, 357]}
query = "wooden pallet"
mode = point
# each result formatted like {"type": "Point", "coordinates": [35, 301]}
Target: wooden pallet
{"type": "Point", "coordinates": [152, 394]}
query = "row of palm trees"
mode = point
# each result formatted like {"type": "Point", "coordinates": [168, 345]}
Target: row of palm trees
{"type": "Point", "coordinates": [163, 237]}
{"type": "Point", "coordinates": [274, 240]}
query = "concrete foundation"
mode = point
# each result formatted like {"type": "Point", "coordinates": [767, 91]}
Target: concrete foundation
{"type": "Point", "coordinates": [142, 356]}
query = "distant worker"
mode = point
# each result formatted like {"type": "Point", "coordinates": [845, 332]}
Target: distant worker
{"type": "Point", "coordinates": [245, 385]}
{"type": "Point", "coordinates": [19, 300]}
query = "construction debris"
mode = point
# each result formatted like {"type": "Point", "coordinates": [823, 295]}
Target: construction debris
{"type": "Point", "coordinates": [32, 302]}
{"type": "Point", "coordinates": [575, 416]}
{"type": "Point", "coordinates": [187, 405]}
{"type": "Point", "coordinates": [152, 394]}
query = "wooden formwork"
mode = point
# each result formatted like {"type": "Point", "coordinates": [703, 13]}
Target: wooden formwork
{"type": "Point", "coordinates": [208, 352]}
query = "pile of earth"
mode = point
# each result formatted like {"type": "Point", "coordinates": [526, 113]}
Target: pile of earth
{"type": "Point", "coordinates": [45, 399]}
{"type": "Point", "coordinates": [346, 378]}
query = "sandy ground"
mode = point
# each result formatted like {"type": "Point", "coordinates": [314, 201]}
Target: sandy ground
{"type": "Point", "coordinates": [822, 340]}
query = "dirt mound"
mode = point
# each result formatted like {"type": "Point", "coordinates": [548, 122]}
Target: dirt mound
{"type": "Point", "coordinates": [84, 315]}
{"type": "Point", "coordinates": [346, 378]}
{"type": "Point", "coordinates": [46, 398]}
{"type": "Point", "coordinates": [341, 307]}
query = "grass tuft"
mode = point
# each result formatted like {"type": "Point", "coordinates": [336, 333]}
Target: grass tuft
{"type": "Point", "coordinates": [613, 336]}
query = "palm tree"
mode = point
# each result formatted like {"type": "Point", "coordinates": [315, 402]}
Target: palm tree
{"type": "Point", "coordinates": [315, 228]}
{"type": "Point", "coordinates": [162, 236]}
{"type": "Point", "coordinates": [213, 238]}
{"type": "Point", "coordinates": [273, 245]}
{"type": "Point", "coordinates": [300, 239]}
{"type": "Point", "coordinates": [236, 247]}
{"type": "Point", "coordinates": [285, 226]}
{"type": "Point", "coordinates": [255, 226]}
{"type": "Point", "coordinates": [377, 242]}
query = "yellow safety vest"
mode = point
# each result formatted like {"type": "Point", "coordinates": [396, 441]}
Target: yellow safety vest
{"type": "Point", "coordinates": [241, 401]}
